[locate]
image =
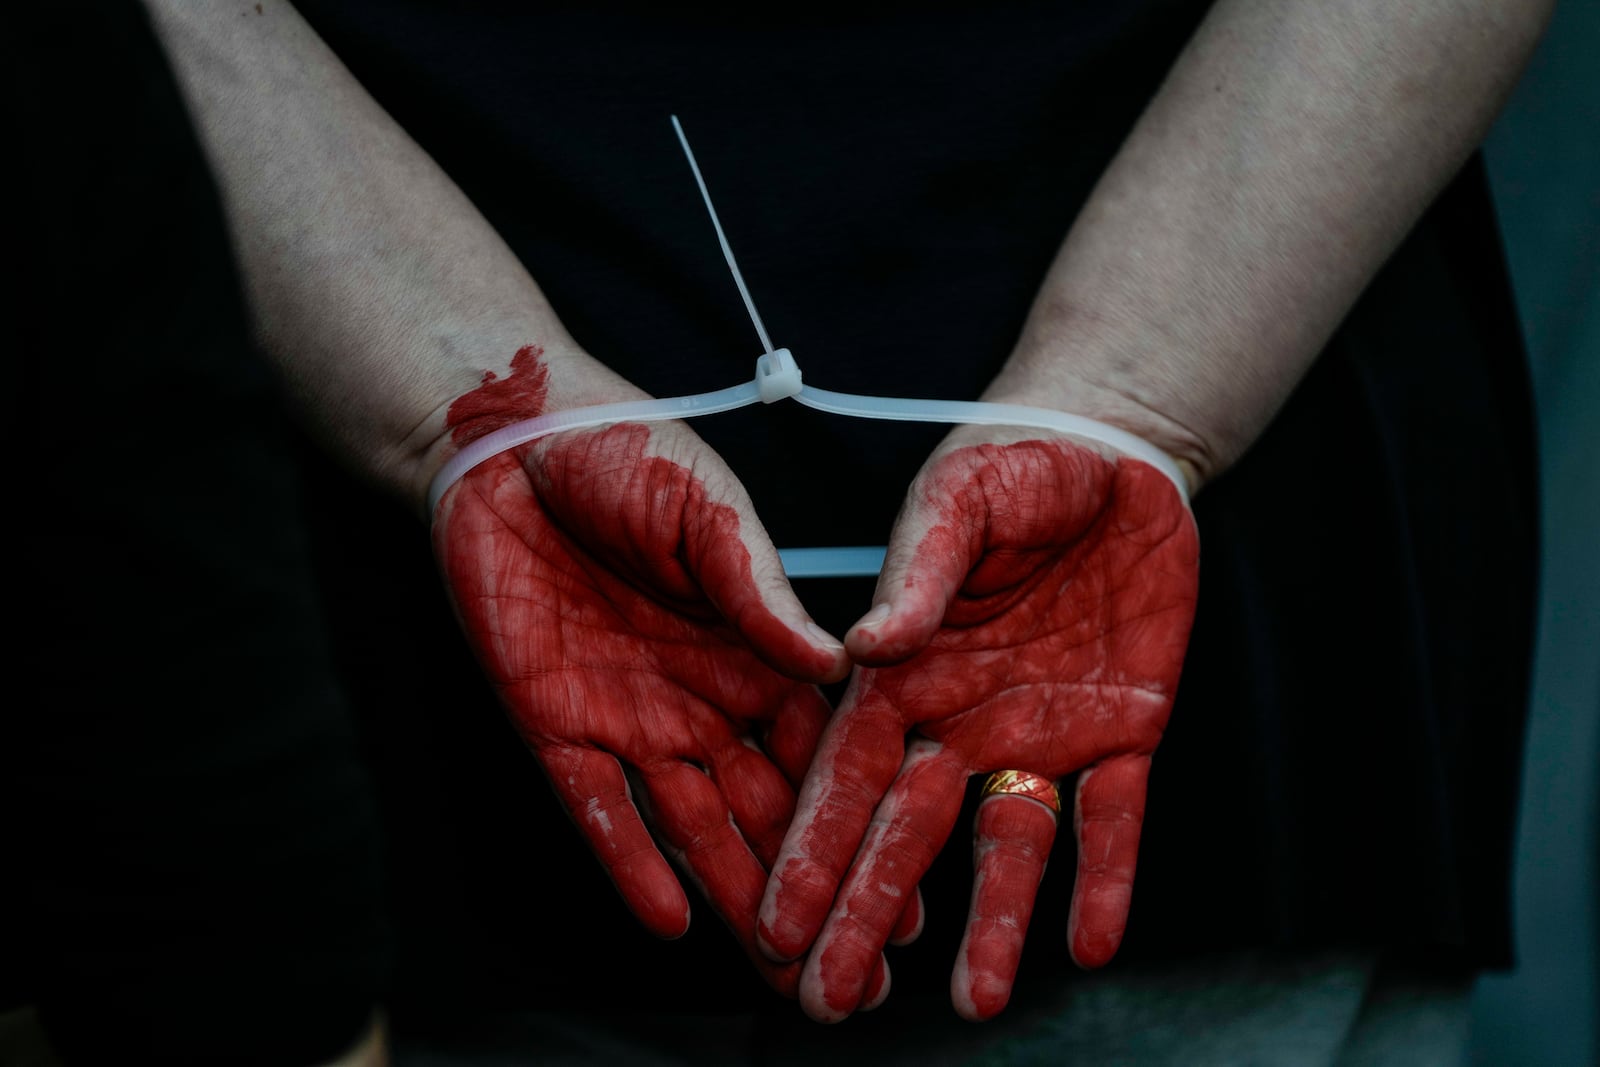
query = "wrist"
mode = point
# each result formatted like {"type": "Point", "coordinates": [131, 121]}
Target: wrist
{"type": "Point", "coordinates": [1091, 382]}
{"type": "Point", "coordinates": [533, 380]}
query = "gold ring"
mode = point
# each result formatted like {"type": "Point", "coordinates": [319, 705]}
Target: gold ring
{"type": "Point", "coordinates": [1024, 784]}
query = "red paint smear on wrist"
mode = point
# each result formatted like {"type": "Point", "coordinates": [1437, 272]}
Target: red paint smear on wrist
{"type": "Point", "coordinates": [499, 402]}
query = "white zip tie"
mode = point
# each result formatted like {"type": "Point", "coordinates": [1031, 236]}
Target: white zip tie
{"type": "Point", "coordinates": [722, 239]}
{"type": "Point", "coordinates": [984, 413]}
{"type": "Point", "coordinates": [778, 377]}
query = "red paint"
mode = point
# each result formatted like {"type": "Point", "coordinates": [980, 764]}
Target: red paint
{"type": "Point", "coordinates": [1011, 842]}
{"type": "Point", "coordinates": [499, 402]}
{"type": "Point", "coordinates": [1039, 624]}
{"type": "Point", "coordinates": [909, 928]}
{"type": "Point", "coordinates": [608, 594]}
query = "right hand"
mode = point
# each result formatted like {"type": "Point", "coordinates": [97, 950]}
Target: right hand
{"type": "Point", "coordinates": [1033, 614]}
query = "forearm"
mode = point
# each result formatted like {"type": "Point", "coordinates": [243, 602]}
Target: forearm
{"type": "Point", "coordinates": [374, 284]}
{"type": "Point", "coordinates": [1291, 148]}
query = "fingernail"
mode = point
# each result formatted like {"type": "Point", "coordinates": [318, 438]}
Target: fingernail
{"type": "Point", "coordinates": [875, 617]}
{"type": "Point", "coordinates": [824, 638]}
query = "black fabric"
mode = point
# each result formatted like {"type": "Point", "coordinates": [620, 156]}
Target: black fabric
{"type": "Point", "coordinates": [1342, 762]}
{"type": "Point", "coordinates": [192, 870]}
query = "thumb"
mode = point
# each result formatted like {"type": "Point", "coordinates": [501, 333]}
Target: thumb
{"type": "Point", "coordinates": [936, 541]}
{"type": "Point", "coordinates": [730, 554]}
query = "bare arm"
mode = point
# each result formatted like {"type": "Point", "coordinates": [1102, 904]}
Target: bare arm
{"type": "Point", "coordinates": [1034, 608]}
{"type": "Point", "coordinates": [375, 285]}
{"type": "Point", "coordinates": [1291, 148]}
{"type": "Point", "coordinates": [616, 585]}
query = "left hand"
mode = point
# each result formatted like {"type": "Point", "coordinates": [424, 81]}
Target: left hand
{"type": "Point", "coordinates": [624, 600]}
{"type": "Point", "coordinates": [1032, 615]}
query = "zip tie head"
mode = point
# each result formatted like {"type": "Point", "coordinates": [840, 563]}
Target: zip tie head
{"type": "Point", "coordinates": [777, 375]}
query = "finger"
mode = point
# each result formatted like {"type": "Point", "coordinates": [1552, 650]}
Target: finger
{"type": "Point", "coordinates": [907, 832]}
{"type": "Point", "coordinates": [877, 987]}
{"type": "Point", "coordinates": [1012, 836]}
{"type": "Point", "coordinates": [657, 501]}
{"type": "Point", "coordinates": [593, 789]}
{"type": "Point", "coordinates": [792, 738]}
{"type": "Point", "coordinates": [791, 743]}
{"type": "Point", "coordinates": [856, 762]}
{"type": "Point", "coordinates": [729, 553]}
{"type": "Point", "coordinates": [758, 795]}
{"type": "Point", "coordinates": [696, 828]}
{"type": "Point", "coordinates": [936, 541]}
{"type": "Point", "coordinates": [1108, 813]}
{"type": "Point", "coordinates": [909, 926]}
{"type": "Point", "coordinates": [694, 822]}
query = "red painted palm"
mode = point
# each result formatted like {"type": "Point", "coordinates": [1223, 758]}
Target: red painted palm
{"type": "Point", "coordinates": [1041, 597]}
{"type": "Point", "coordinates": [636, 622]}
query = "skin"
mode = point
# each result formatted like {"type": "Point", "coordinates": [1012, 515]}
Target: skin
{"type": "Point", "coordinates": [1033, 615]}
{"type": "Point", "coordinates": [403, 327]}
{"type": "Point", "coordinates": [635, 621]}
{"type": "Point", "coordinates": [1287, 153]}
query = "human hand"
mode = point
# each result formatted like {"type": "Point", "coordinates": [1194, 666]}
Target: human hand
{"type": "Point", "coordinates": [634, 617]}
{"type": "Point", "coordinates": [1032, 615]}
